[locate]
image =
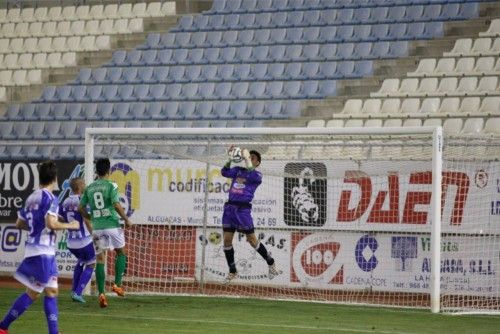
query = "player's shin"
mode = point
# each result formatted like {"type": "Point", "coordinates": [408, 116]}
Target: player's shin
{"type": "Point", "coordinates": [120, 264]}
{"type": "Point", "coordinates": [20, 305]}
{"type": "Point", "coordinates": [229, 253]}
{"type": "Point", "coordinates": [100, 277]}
{"type": "Point", "coordinates": [77, 273]}
{"type": "Point", "coordinates": [52, 314]}
{"type": "Point", "coordinates": [261, 249]}
{"type": "Point", "coordinates": [84, 280]}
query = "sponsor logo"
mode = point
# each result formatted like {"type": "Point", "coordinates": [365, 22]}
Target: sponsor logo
{"type": "Point", "coordinates": [305, 194]}
{"type": "Point", "coordinates": [403, 249]}
{"type": "Point", "coordinates": [365, 253]}
{"type": "Point", "coordinates": [358, 196]}
{"type": "Point", "coordinates": [314, 259]}
{"type": "Point", "coordinates": [481, 178]}
{"type": "Point", "coordinates": [11, 239]}
{"type": "Point", "coordinates": [129, 185]}
{"type": "Point", "coordinates": [495, 208]}
{"type": "Point", "coordinates": [215, 238]}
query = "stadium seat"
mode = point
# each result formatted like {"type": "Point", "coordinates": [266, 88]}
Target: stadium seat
{"type": "Point", "coordinates": [352, 106]}
{"type": "Point", "coordinates": [490, 105]}
{"type": "Point", "coordinates": [371, 106]}
{"type": "Point", "coordinates": [410, 106]}
{"type": "Point", "coordinates": [390, 106]}
{"type": "Point", "coordinates": [487, 85]}
{"type": "Point", "coordinates": [449, 105]}
{"type": "Point", "coordinates": [389, 87]}
{"type": "Point", "coordinates": [430, 105]}
{"type": "Point", "coordinates": [492, 126]}
{"type": "Point", "coordinates": [472, 126]}
{"type": "Point", "coordinates": [467, 85]}
{"type": "Point", "coordinates": [470, 105]}
{"type": "Point", "coordinates": [493, 30]}
{"type": "Point", "coordinates": [483, 66]}
{"type": "Point", "coordinates": [447, 86]}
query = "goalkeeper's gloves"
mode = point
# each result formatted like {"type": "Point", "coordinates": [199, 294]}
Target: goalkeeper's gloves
{"type": "Point", "coordinates": [246, 156]}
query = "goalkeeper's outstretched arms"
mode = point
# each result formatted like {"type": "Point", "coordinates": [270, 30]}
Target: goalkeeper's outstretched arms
{"type": "Point", "coordinates": [227, 171]}
{"type": "Point", "coordinates": [252, 161]}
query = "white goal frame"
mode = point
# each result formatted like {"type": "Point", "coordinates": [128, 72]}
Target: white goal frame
{"type": "Point", "coordinates": [437, 163]}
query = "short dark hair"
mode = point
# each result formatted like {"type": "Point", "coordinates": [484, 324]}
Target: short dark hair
{"type": "Point", "coordinates": [74, 184]}
{"type": "Point", "coordinates": [102, 166]}
{"type": "Point", "coordinates": [257, 154]}
{"type": "Point", "coordinates": [47, 172]}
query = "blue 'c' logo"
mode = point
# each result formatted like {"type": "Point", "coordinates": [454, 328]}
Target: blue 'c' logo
{"type": "Point", "coordinates": [365, 247]}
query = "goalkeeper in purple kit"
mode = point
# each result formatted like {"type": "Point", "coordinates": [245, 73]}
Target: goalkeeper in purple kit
{"type": "Point", "coordinates": [38, 270]}
{"type": "Point", "coordinates": [237, 210]}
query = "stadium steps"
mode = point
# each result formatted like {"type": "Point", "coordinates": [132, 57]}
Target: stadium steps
{"type": "Point", "coordinates": [397, 68]}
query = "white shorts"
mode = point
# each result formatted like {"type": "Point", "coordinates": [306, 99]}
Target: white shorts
{"type": "Point", "coordinates": [110, 238]}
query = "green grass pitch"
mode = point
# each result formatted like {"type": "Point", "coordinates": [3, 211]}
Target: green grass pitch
{"type": "Point", "coordinates": [179, 314]}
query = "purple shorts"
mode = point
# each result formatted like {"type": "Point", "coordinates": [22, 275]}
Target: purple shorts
{"type": "Point", "coordinates": [85, 254]}
{"type": "Point", "coordinates": [237, 218]}
{"type": "Point", "coordinates": [38, 272]}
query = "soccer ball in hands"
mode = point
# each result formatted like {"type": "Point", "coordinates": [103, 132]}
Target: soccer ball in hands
{"type": "Point", "coordinates": [235, 154]}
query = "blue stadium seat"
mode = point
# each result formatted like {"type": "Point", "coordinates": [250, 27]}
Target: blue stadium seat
{"type": "Point", "coordinates": [293, 53]}
{"type": "Point", "coordinates": [327, 34]}
{"type": "Point", "coordinates": [247, 21]}
{"type": "Point", "coordinates": [312, 17]}
{"type": "Point", "coordinates": [99, 75]}
{"type": "Point", "coordinates": [122, 111]}
{"type": "Point", "coordinates": [294, 35]}
{"type": "Point", "coordinates": [145, 74]}
{"type": "Point", "coordinates": [256, 109]}
{"type": "Point", "coordinates": [129, 75]}
{"type": "Point", "coordinates": [209, 72]}
{"type": "Point", "coordinates": [291, 88]}
{"type": "Point", "coordinates": [234, 6]}
{"type": "Point", "coordinates": [326, 52]}
{"type": "Point", "coordinates": [100, 111]}
{"type": "Point", "coordinates": [362, 15]}
{"type": "Point", "coordinates": [310, 70]}
{"type": "Point", "coordinates": [79, 151]}
{"type": "Point", "coordinates": [182, 39]}
{"type": "Point", "coordinates": [276, 71]}
{"type": "Point", "coordinates": [263, 20]}
{"type": "Point", "coordinates": [244, 54]}
{"type": "Point", "coordinates": [362, 33]}
{"type": "Point", "coordinates": [96, 111]}
{"type": "Point", "coordinates": [7, 131]}
{"type": "Point", "coordinates": [228, 55]}
{"type": "Point", "coordinates": [68, 130]}
{"type": "Point", "coordinates": [195, 56]}
{"type": "Point", "coordinates": [221, 109]}
{"type": "Point", "coordinates": [165, 57]}
{"type": "Point", "coordinates": [311, 34]}
{"type": "Point", "coordinates": [398, 31]}
{"type": "Point", "coordinates": [239, 90]}
{"type": "Point", "coordinates": [140, 93]}
{"type": "Point", "coordinates": [245, 37]}
{"type": "Point", "coordinates": [64, 93]}
{"type": "Point", "coordinates": [84, 76]}
{"type": "Point", "coordinates": [347, 69]}
{"type": "Point", "coordinates": [396, 14]}
{"type": "Point", "coordinates": [108, 75]}
{"type": "Point", "coordinates": [242, 72]}
{"type": "Point", "coordinates": [31, 151]}
{"type": "Point", "coordinates": [293, 71]}
{"type": "Point", "coordinates": [327, 88]}
{"type": "Point", "coordinates": [60, 111]}
{"type": "Point", "coordinates": [161, 74]}
{"type": "Point", "coordinates": [134, 57]}
{"type": "Point", "coordinates": [200, 22]}
{"type": "Point", "coordinates": [364, 68]}
{"type": "Point", "coordinates": [295, 19]}
{"type": "Point", "coordinates": [238, 109]}
{"type": "Point", "coordinates": [204, 110]}
{"type": "Point", "coordinates": [248, 5]}
{"type": "Point", "coordinates": [415, 13]}
{"type": "Point", "coordinates": [187, 109]}
{"type": "Point", "coordinates": [28, 111]}
{"type": "Point", "coordinates": [193, 73]}
{"type": "Point", "coordinates": [38, 130]}
{"type": "Point", "coordinates": [362, 50]}
{"type": "Point", "coordinates": [398, 49]}
{"type": "Point", "coordinates": [291, 108]}
{"type": "Point", "coordinates": [273, 109]}
{"type": "Point", "coordinates": [15, 152]}
{"type": "Point", "coordinates": [189, 91]}
{"type": "Point", "coordinates": [157, 92]}
{"type": "Point", "coordinates": [231, 21]}
{"type": "Point", "coordinates": [277, 36]}
{"type": "Point", "coordinates": [262, 36]}
{"type": "Point", "coordinates": [259, 71]}
{"type": "Point", "coordinates": [225, 72]}
{"type": "Point", "coordinates": [149, 58]}
{"type": "Point", "coordinates": [256, 89]}
{"type": "Point", "coordinates": [13, 110]}
{"type": "Point", "coordinates": [119, 58]}
{"type": "Point", "coordinates": [138, 110]}
{"type": "Point", "coordinates": [468, 10]}
{"type": "Point", "coordinates": [173, 91]}
{"type": "Point", "coordinates": [109, 93]}
{"type": "Point", "coordinates": [328, 17]}
{"type": "Point", "coordinates": [345, 33]}
{"type": "Point", "coordinates": [278, 20]}
{"type": "Point", "coordinates": [379, 14]}
{"type": "Point", "coordinates": [328, 70]}
{"type": "Point", "coordinates": [274, 89]}
{"type": "Point", "coordinates": [310, 89]}
{"type": "Point", "coordinates": [199, 39]}
{"type": "Point", "coordinates": [218, 6]}
{"type": "Point", "coordinates": [261, 53]}
{"type": "Point", "coordinates": [79, 93]}
{"type": "Point", "coordinates": [53, 130]}
{"type": "Point", "coordinates": [22, 130]}
{"type": "Point", "coordinates": [167, 40]}
{"type": "Point", "coordinates": [185, 23]}
{"type": "Point", "coordinates": [179, 56]}
{"type": "Point", "coordinates": [170, 110]}
{"type": "Point", "coordinates": [42, 112]}
{"type": "Point", "coordinates": [277, 52]}
{"type": "Point", "coordinates": [73, 111]}
{"type": "Point", "coordinates": [206, 90]}
{"type": "Point", "coordinates": [433, 30]}
{"type": "Point", "coordinates": [345, 51]}
{"type": "Point", "coordinates": [222, 90]}
{"type": "Point", "coordinates": [154, 110]}
{"type": "Point", "coordinates": [212, 55]}
{"type": "Point", "coordinates": [152, 41]}
{"type": "Point", "coordinates": [216, 22]}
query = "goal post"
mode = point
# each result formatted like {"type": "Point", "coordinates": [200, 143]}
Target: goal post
{"type": "Point", "coordinates": [377, 216]}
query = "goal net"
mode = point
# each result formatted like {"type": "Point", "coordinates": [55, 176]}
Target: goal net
{"type": "Point", "coordinates": [365, 216]}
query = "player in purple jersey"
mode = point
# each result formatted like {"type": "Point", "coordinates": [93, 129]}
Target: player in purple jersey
{"type": "Point", "coordinates": [38, 270]}
{"type": "Point", "coordinates": [80, 241]}
{"type": "Point", "coordinates": [237, 210]}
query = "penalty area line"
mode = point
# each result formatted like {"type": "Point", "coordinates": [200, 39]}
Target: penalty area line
{"type": "Point", "coordinates": [231, 323]}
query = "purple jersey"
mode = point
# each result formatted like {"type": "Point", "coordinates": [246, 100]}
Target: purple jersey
{"type": "Point", "coordinates": [41, 240]}
{"type": "Point", "coordinates": [69, 212]}
{"type": "Point", "coordinates": [244, 183]}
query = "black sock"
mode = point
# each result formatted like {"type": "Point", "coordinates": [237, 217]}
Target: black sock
{"type": "Point", "coordinates": [261, 249]}
{"type": "Point", "coordinates": [229, 252]}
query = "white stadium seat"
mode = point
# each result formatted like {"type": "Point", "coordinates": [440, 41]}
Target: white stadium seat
{"type": "Point", "coordinates": [352, 106]}
{"type": "Point", "coordinates": [470, 105]}
{"type": "Point", "coordinates": [25, 60]}
{"type": "Point", "coordinates": [14, 15]}
{"type": "Point", "coordinates": [17, 45]}
{"type": "Point", "coordinates": [64, 28]}
{"type": "Point", "coordinates": [22, 29]}
{"type": "Point", "coordinates": [77, 28]}
{"type": "Point", "coordinates": [335, 123]}
{"type": "Point", "coordinates": [125, 11]}
{"type": "Point", "coordinates": [44, 44]}
{"type": "Point", "coordinates": [6, 78]}
{"type": "Point", "coordinates": [481, 46]}
{"type": "Point", "coordinates": [49, 29]}
{"type": "Point", "coordinates": [425, 68]}
{"type": "Point", "coordinates": [40, 60]}
{"type": "Point", "coordinates": [391, 106]}
{"type": "Point", "coordinates": [464, 66]}
{"type": "Point", "coordinates": [139, 10]}
{"type": "Point", "coordinates": [490, 105]}
{"type": "Point", "coordinates": [111, 11]}
{"type": "Point", "coordinates": [8, 30]}
{"type": "Point", "coordinates": [487, 85]}
{"type": "Point", "coordinates": [445, 66]}
{"type": "Point", "coordinates": [69, 59]}
{"type": "Point", "coordinates": [154, 9]}
{"type": "Point", "coordinates": [389, 87]}
{"type": "Point", "coordinates": [28, 14]}
{"type": "Point", "coordinates": [3, 95]}
{"type": "Point", "coordinates": [54, 14]}
{"type": "Point", "coordinates": [410, 106]}
{"type": "Point", "coordinates": [19, 78]}
{"type": "Point", "coordinates": [69, 13]}
{"type": "Point", "coordinates": [103, 43]}
{"type": "Point", "coordinates": [433, 122]}
{"type": "Point", "coordinates": [136, 25]}
{"type": "Point", "coordinates": [168, 8]}
{"type": "Point", "coordinates": [462, 47]}
{"type": "Point", "coordinates": [371, 106]}
{"type": "Point", "coordinates": [484, 65]}
{"type": "Point", "coordinates": [447, 86]}
{"type": "Point", "coordinates": [492, 126]}
{"type": "Point", "coordinates": [452, 126]}
{"type": "Point", "coordinates": [92, 27]}
{"type": "Point", "coordinates": [373, 123]}
{"type": "Point", "coordinates": [430, 105]}
{"type": "Point", "coordinates": [82, 13]}
{"type": "Point", "coordinates": [466, 86]}
{"type": "Point", "coordinates": [36, 29]}
{"type": "Point", "coordinates": [10, 61]}
{"type": "Point", "coordinates": [449, 105]}
{"type": "Point", "coordinates": [31, 44]}
{"type": "Point", "coordinates": [54, 60]}
{"type": "Point", "coordinates": [34, 77]}
{"type": "Point", "coordinates": [40, 14]}
{"type": "Point", "coordinates": [493, 30]}
{"type": "Point", "coordinates": [408, 87]}
{"type": "Point", "coordinates": [316, 123]}
{"type": "Point", "coordinates": [473, 126]}
{"type": "Point", "coordinates": [427, 86]}
{"type": "Point", "coordinates": [96, 12]}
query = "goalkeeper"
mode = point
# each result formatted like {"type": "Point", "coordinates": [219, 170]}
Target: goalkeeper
{"type": "Point", "coordinates": [237, 210]}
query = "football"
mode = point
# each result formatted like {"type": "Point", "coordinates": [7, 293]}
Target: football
{"type": "Point", "coordinates": [235, 154]}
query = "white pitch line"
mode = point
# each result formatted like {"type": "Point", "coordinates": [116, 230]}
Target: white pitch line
{"type": "Point", "coordinates": [232, 323]}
